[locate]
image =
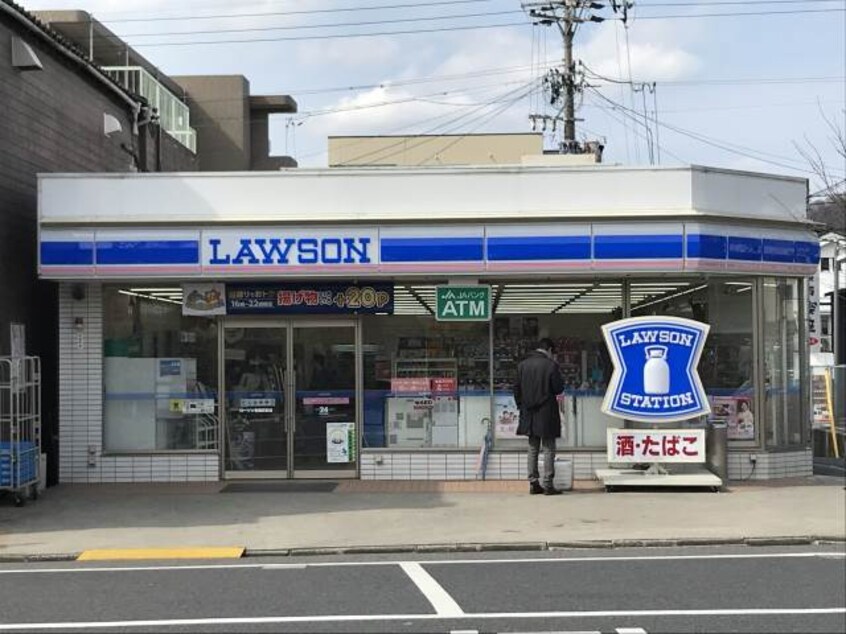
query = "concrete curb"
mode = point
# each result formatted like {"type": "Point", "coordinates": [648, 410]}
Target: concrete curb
{"type": "Point", "coordinates": [794, 540]}
{"type": "Point", "coordinates": [32, 558]}
{"type": "Point", "coordinates": [554, 546]}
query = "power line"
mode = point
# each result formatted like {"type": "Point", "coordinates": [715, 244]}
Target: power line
{"type": "Point", "coordinates": [412, 5]}
{"type": "Point", "coordinates": [714, 81]}
{"type": "Point", "coordinates": [442, 128]}
{"type": "Point", "coordinates": [737, 14]}
{"type": "Point", "coordinates": [227, 16]}
{"type": "Point", "coordinates": [303, 116]}
{"type": "Point", "coordinates": [482, 121]}
{"type": "Point", "coordinates": [300, 27]}
{"type": "Point", "coordinates": [723, 145]}
{"type": "Point", "coordinates": [412, 98]}
{"type": "Point", "coordinates": [487, 72]}
{"type": "Point", "coordinates": [707, 3]}
{"type": "Point", "coordinates": [337, 35]}
{"type": "Point", "coordinates": [447, 29]}
{"type": "Point", "coordinates": [706, 139]}
{"type": "Point", "coordinates": [622, 120]}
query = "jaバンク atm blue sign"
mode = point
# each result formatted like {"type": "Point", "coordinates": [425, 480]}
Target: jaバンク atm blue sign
{"type": "Point", "coordinates": [655, 377]}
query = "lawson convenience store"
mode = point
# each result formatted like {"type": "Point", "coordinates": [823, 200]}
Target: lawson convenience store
{"type": "Point", "coordinates": [284, 325]}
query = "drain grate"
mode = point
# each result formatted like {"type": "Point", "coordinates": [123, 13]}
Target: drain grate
{"type": "Point", "coordinates": [279, 486]}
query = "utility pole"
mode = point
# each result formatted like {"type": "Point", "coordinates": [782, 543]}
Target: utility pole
{"type": "Point", "coordinates": [567, 32]}
{"type": "Point", "coordinates": [564, 84]}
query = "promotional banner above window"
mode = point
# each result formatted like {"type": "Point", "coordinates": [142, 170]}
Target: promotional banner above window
{"type": "Point", "coordinates": [655, 376]}
{"type": "Point", "coordinates": [309, 299]}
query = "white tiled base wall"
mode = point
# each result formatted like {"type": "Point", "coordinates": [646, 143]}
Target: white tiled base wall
{"type": "Point", "coordinates": [392, 465]}
{"type": "Point", "coordinates": [81, 407]}
{"type": "Point", "coordinates": [771, 466]}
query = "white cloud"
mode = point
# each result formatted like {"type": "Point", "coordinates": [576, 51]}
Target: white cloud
{"type": "Point", "coordinates": [458, 100]}
{"type": "Point", "coordinates": [351, 52]}
{"type": "Point", "coordinates": [659, 51]}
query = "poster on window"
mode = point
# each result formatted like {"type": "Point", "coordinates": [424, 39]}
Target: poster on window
{"type": "Point", "coordinates": [506, 416]}
{"type": "Point", "coordinates": [736, 413]}
{"type": "Point", "coordinates": [340, 442]}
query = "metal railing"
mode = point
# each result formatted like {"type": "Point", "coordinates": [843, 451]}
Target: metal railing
{"type": "Point", "coordinates": [174, 115]}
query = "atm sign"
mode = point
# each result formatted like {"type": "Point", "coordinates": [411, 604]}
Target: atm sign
{"type": "Point", "coordinates": [463, 303]}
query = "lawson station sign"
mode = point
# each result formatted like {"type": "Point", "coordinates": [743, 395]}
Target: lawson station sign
{"type": "Point", "coordinates": [655, 375]}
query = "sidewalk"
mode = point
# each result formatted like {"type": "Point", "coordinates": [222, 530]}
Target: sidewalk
{"type": "Point", "coordinates": [304, 515]}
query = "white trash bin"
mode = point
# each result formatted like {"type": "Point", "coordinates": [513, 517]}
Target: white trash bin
{"type": "Point", "coordinates": [563, 474]}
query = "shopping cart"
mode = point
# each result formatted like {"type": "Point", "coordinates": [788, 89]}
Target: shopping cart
{"type": "Point", "coordinates": [20, 427]}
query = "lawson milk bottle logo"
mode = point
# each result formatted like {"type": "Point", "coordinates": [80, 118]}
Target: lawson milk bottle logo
{"type": "Point", "coordinates": [655, 377]}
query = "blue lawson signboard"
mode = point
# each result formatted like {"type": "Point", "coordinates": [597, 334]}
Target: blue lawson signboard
{"type": "Point", "coordinates": [308, 299]}
{"type": "Point", "coordinates": [655, 378]}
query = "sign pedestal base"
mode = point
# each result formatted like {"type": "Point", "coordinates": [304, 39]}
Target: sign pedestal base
{"type": "Point", "coordinates": [697, 476]}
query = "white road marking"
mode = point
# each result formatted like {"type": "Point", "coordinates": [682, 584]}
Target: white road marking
{"type": "Point", "coordinates": [631, 630]}
{"type": "Point", "coordinates": [259, 620]}
{"type": "Point", "coordinates": [432, 562]}
{"type": "Point", "coordinates": [444, 604]}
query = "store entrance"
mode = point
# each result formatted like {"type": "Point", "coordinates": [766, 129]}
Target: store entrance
{"type": "Point", "coordinates": [290, 399]}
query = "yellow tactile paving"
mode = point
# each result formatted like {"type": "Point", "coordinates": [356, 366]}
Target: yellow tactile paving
{"type": "Point", "coordinates": [216, 552]}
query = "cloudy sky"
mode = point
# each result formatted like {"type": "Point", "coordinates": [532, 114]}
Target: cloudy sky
{"type": "Point", "coordinates": [737, 84]}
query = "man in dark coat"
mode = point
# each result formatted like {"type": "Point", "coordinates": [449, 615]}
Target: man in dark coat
{"type": "Point", "coordinates": [539, 382]}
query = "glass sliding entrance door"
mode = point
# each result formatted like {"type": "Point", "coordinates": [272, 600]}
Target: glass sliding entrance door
{"type": "Point", "coordinates": [324, 413]}
{"type": "Point", "coordinates": [290, 399]}
{"type": "Point", "coordinates": [255, 372]}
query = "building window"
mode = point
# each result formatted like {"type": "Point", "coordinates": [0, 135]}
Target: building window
{"type": "Point", "coordinates": [572, 315]}
{"type": "Point", "coordinates": [783, 359]}
{"type": "Point", "coordinates": [159, 373]}
{"type": "Point", "coordinates": [726, 367]}
{"type": "Point", "coordinates": [427, 383]}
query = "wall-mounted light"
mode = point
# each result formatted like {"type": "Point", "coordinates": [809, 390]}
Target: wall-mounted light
{"type": "Point", "coordinates": [24, 57]}
{"type": "Point", "coordinates": [111, 124]}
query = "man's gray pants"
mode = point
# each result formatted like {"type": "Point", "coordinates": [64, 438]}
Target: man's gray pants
{"type": "Point", "coordinates": [535, 443]}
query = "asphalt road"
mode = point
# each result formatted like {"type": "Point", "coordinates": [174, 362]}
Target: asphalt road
{"type": "Point", "coordinates": [737, 589]}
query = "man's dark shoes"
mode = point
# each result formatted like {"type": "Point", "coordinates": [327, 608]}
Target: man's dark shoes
{"type": "Point", "coordinates": [535, 489]}
{"type": "Point", "coordinates": [552, 491]}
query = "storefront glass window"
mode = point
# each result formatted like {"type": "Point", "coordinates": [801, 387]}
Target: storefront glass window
{"type": "Point", "coordinates": [726, 367]}
{"type": "Point", "coordinates": [571, 314]}
{"type": "Point", "coordinates": [159, 373]}
{"type": "Point", "coordinates": [427, 383]}
{"type": "Point", "coordinates": [783, 358]}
